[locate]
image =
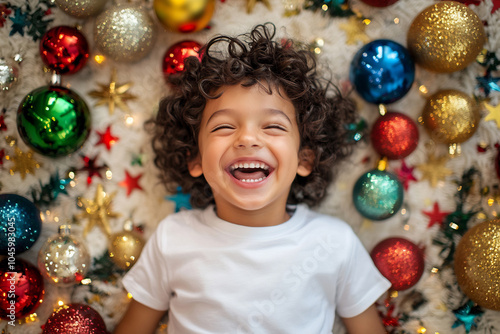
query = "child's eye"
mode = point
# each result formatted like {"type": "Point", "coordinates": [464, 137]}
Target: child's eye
{"type": "Point", "coordinates": [222, 126]}
{"type": "Point", "coordinates": [276, 126]}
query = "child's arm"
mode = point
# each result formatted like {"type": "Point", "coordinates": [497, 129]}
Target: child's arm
{"type": "Point", "coordinates": [367, 322]}
{"type": "Point", "coordinates": [139, 319]}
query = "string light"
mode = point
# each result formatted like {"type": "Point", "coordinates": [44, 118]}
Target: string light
{"type": "Point", "coordinates": [422, 330]}
{"type": "Point", "coordinates": [99, 59]}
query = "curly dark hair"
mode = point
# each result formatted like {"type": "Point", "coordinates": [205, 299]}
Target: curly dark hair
{"type": "Point", "coordinates": [249, 59]}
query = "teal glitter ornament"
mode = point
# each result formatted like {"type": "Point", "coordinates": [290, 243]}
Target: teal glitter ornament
{"type": "Point", "coordinates": [378, 195]}
{"type": "Point", "coordinates": [20, 224]}
{"type": "Point", "coordinates": [54, 121]}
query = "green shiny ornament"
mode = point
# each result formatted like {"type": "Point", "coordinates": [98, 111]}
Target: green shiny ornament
{"type": "Point", "coordinates": [54, 121]}
{"type": "Point", "coordinates": [378, 195]}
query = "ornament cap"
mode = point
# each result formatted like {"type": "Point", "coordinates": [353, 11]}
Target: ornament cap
{"type": "Point", "coordinates": [64, 229]}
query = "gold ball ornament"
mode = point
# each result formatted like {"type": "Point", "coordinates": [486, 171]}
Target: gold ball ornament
{"type": "Point", "coordinates": [125, 248]}
{"type": "Point", "coordinates": [81, 8]}
{"type": "Point", "coordinates": [450, 116]}
{"type": "Point", "coordinates": [125, 32]}
{"type": "Point", "coordinates": [446, 37]}
{"type": "Point", "coordinates": [63, 259]}
{"type": "Point", "coordinates": [184, 15]}
{"type": "Point", "coordinates": [477, 264]}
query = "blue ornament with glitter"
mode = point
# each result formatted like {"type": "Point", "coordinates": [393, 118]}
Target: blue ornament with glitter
{"type": "Point", "coordinates": [20, 224]}
{"type": "Point", "coordinates": [382, 71]}
{"type": "Point", "coordinates": [378, 194]}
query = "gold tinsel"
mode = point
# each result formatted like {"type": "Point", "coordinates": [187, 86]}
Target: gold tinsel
{"type": "Point", "coordinates": [446, 37]}
{"type": "Point", "coordinates": [477, 264]}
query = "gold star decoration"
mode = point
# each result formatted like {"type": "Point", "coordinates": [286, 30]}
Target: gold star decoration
{"type": "Point", "coordinates": [251, 5]}
{"type": "Point", "coordinates": [113, 95]}
{"type": "Point", "coordinates": [494, 113]}
{"type": "Point", "coordinates": [98, 211]}
{"type": "Point", "coordinates": [355, 30]}
{"type": "Point", "coordinates": [434, 170]}
{"type": "Point", "coordinates": [24, 163]}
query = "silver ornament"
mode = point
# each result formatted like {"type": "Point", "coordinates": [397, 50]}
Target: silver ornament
{"type": "Point", "coordinates": [9, 74]}
{"type": "Point", "coordinates": [125, 32]}
{"type": "Point", "coordinates": [64, 259]}
{"type": "Point", "coordinates": [81, 8]}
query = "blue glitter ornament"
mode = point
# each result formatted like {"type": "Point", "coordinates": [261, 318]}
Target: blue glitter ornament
{"type": "Point", "coordinates": [20, 224]}
{"type": "Point", "coordinates": [378, 195]}
{"type": "Point", "coordinates": [382, 71]}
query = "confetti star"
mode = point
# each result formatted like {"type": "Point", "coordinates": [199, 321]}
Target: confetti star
{"type": "Point", "coordinates": [91, 168]}
{"type": "Point", "coordinates": [2, 155]}
{"type": "Point", "coordinates": [181, 200]}
{"type": "Point", "coordinates": [50, 191]}
{"type": "Point", "coordinates": [19, 21]}
{"type": "Point", "coordinates": [113, 95]}
{"type": "Point", "coordinates": [434, 170]}
{"type": "Point", "coordinates": [137, 159]}
{"type": "Point", "coordinates": [3, 127]}
{"type": "Point", "coordinates": [356, 132]}
{"type": "Point", "coordinates": [488, 83]}
{"type": "Point", "coordinates": [106, 138]}
{"type": "Point", "coordinates": [355, 30]}
{"type": "Point", "coordinates": [494, 113]}
{"type": "Point", "coordinates": [436, 216]}
{"type": "Point", "coordinates": [24, 163]}
{"type": "Point", "coordinates": [251, 4]}
{"type": "Point", "coordinates": [4, 13]}
{"type": "Point", "coordinates": [97, 211]}
{"type": "Point", "coordinates": [466, 314]}
{"type": "Point", "coordinates": [131, 182]}
{"type": "Point", "coordinates": [405, 175]}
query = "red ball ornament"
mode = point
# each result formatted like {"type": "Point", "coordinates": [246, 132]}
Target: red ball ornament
{"type": "Point", "coordinates": [75, 319]}
{"type": "Point", "coordinates": [64, 49]}
{"type": "Point", "coordinates": [380, 3]}
{"type": "Point", "coordinates": [173, 60]}
{"type": "Point", "coordinates": [400, 261]}
{"type": "Point", "coordinates": [21, 288]}
{"type": "Point", "coordinates": [394, 135]}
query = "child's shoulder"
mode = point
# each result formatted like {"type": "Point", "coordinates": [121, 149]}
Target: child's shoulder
{"type": "Point", "coordinates": [327, 223]}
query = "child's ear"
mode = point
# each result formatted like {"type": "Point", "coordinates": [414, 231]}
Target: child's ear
{"type": "Point", "coordinates": [306, 162]}
{"type": "Point", "coordinates": [194, 166]}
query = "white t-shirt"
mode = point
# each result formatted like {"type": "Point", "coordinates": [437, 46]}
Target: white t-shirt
{"type": "Point", "coordinates": [217, 277]}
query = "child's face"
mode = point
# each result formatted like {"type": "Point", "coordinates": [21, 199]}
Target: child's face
{"type": "Point", "coordinates": [249, 150]}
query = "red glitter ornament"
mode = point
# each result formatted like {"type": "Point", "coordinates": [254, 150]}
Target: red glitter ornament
{"type": "Point", "coordinates": [400, 261]}
{"type": "Point", "coordinates": [380, 3]}
{"type": "Point", "coordinates": [173, 60]}
{"type": "Point", "coordinates": [21, 288]}
{"type": "Point", "coordinates": [64, 49]}
{"type": "Point", "coordinates": [75, 319]}
{"type": "Point", "coordinates": [394, 135]}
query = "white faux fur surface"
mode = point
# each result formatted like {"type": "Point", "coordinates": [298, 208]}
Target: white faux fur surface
{"type": "Point", "coordinates": [149, 206]}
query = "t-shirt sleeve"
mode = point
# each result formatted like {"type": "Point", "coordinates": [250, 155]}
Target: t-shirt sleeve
{"type": "Point", "coordinates": [147, 280]}
{"type": "Point", "coordinates": [360, 284]}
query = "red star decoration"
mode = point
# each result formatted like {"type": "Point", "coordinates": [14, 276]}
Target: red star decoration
{"type": "Point", "coordinates": [107, 138]}
{"type": "Point", "coordinates": [131, 183]}
{"type": "Point", "coordinates": [436, 216]}
{"type": "Point", "coordinates": [405, 175]}
{"type": "Point", "coordinates": [2, 155]}
{"type": "Point", "coordinates": [91, 168]}
{"type": "Point", "coordinates": [3, 127]}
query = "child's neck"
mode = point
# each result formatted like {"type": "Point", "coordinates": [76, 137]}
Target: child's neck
{"type": "Point", "coordinates": [267, 216]}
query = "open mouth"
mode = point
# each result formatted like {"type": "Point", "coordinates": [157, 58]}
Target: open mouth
{"type": "Point", "coordinates": [249, 171]}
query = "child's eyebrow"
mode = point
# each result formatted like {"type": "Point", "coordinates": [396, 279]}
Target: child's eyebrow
{"type": "Point", "coordinates": [268, 110]}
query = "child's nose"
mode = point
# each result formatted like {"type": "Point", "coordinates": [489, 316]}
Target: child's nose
{"type": "Point", "coordinates": [247, 138]}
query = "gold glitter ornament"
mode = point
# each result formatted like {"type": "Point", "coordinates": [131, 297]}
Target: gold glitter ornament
{"type": "Point", "coordinates": [450, 117]}
{"type": "Point", "coordinates": [446, 37]}
{"type": "Point", "coordinates": [477, 264]}
{"type": "Point", "coordinates": [81, 8]}
{"type": "Point", "coordinates": [125, 32]}
{"type": "Point", "coordinates": [125, 248]}
{"type": "Point", "coordinates": [184, 15]}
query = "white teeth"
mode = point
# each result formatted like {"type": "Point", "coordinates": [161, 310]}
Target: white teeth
{"type": "Point", "coordinates": [252, 180]}
{"type": "Point", "coordinates": [260, 165]}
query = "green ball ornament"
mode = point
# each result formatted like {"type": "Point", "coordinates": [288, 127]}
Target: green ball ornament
{"type": "Point", "coordinates": [378, 195]}
{"type": "Point", "coordinates": [54, 121]}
